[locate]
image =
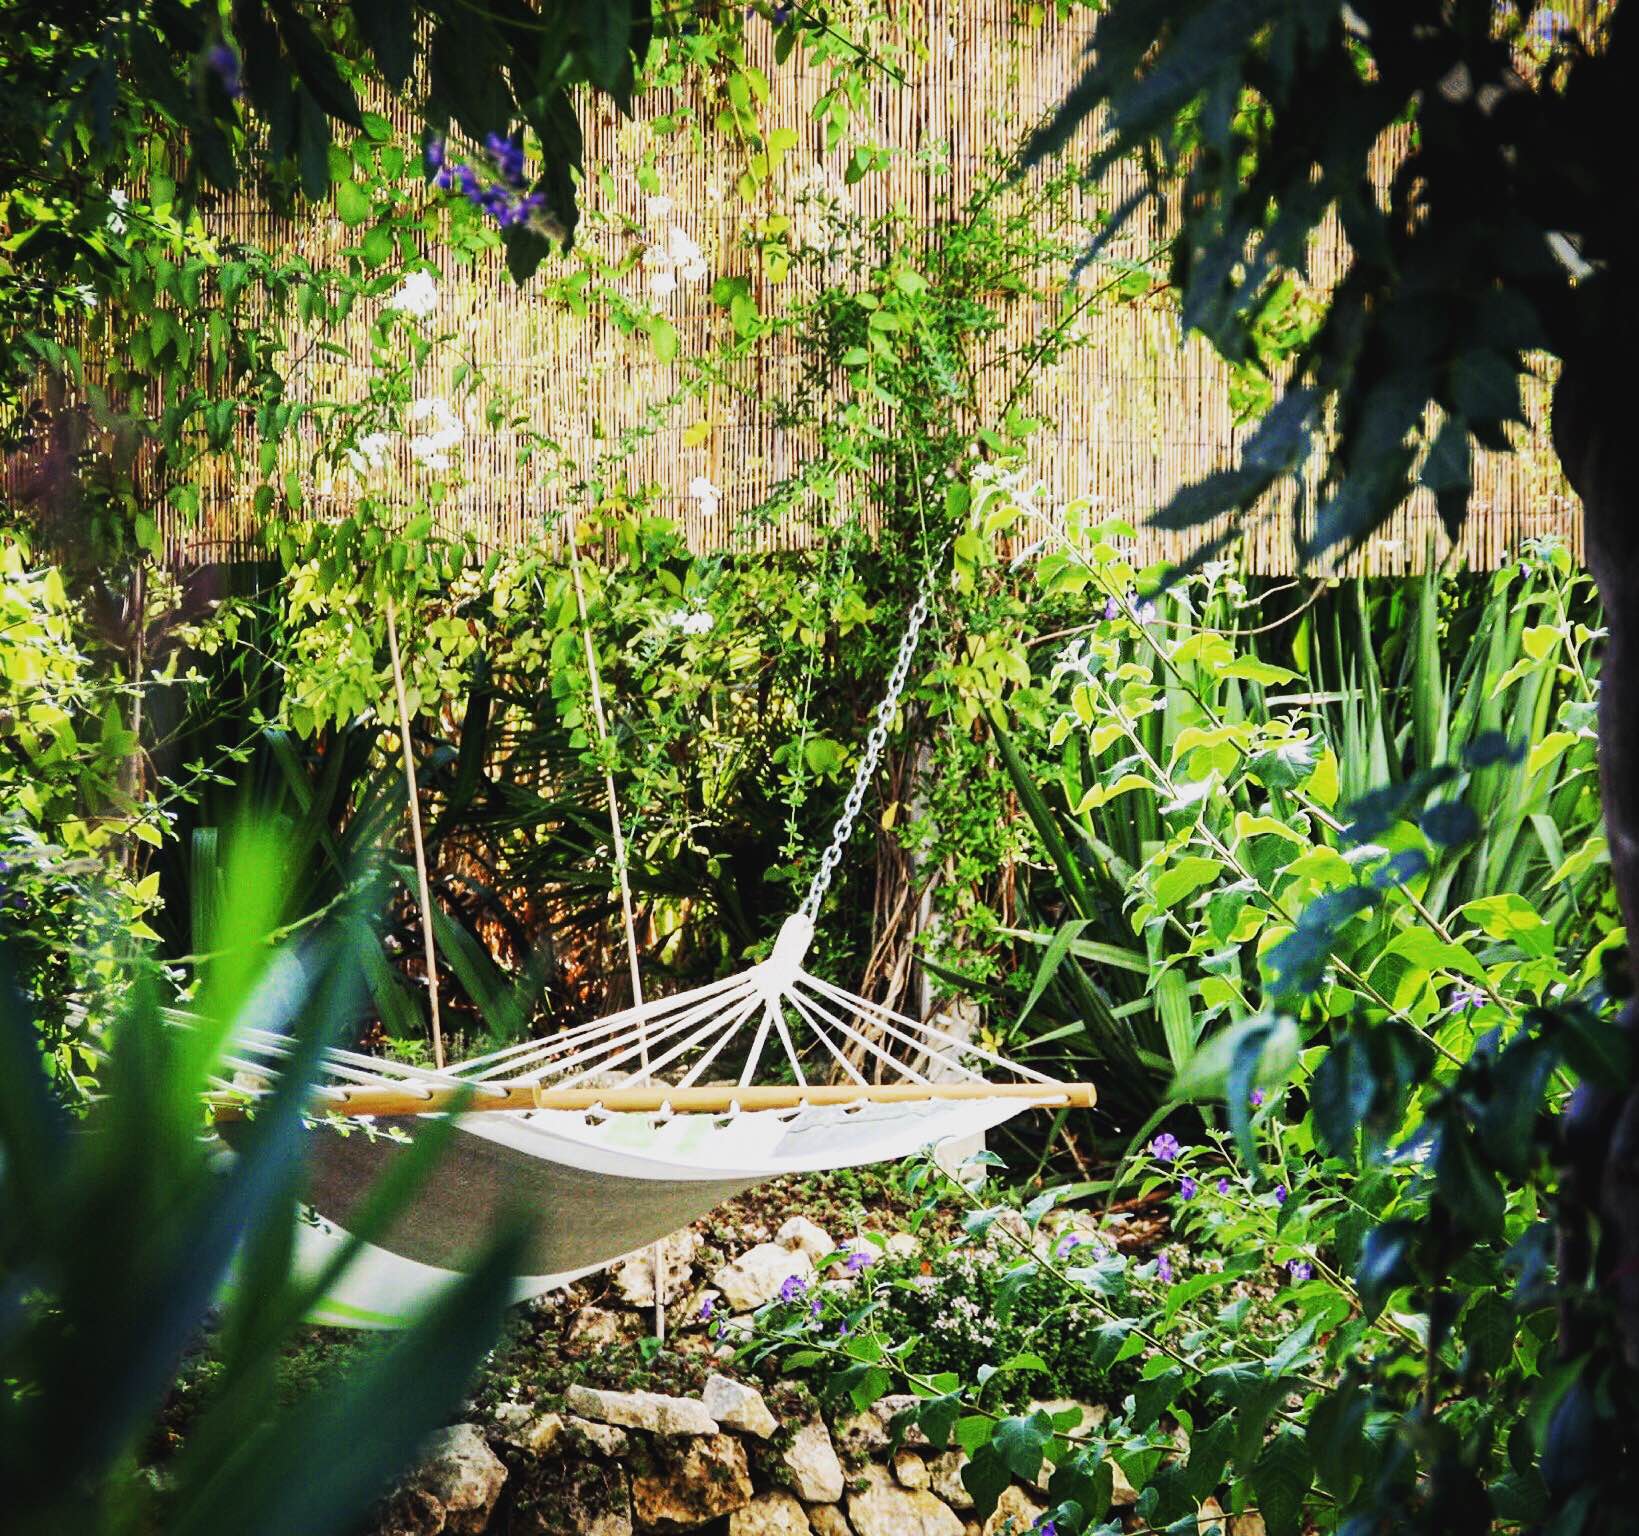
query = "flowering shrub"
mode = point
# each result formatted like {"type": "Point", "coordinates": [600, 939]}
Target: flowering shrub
{"type": "Point", "coordinates": [967, 1310]}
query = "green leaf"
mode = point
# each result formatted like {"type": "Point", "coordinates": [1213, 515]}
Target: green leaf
{"type": "Point", "coordinates": [1469, 1190]}
{"type": "Point", "coordinates": [352, 203]}
{"type": "Point", "coordinates": [1385, 1263]}
{"type": "Point", "coordinates": [1280, 1481]}
{"type": "Point", "coordinates": [1337, 1425]}
{"type": "Point", "coordinates": [663, 337]}
{"type": "Point", "coordinates": [1182, 878]}
{"type": "Point", "coordinates": [1057, 949]}
{"type": "Point", "coordinates": [1153, 1397]}
{"type": "Point", "coordinates": [1286, 765]}
{"type": "Point", "coordinates": [1488, 1326]}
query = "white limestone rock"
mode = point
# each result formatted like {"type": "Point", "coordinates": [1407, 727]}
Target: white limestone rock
{"type": "Point", "coordinates": [911, 1470]}
{"type": "Point", "coordinates": [774, 1513]}
{"type": "Point", "coordinates": [945, 1479]}
{"type": "Point", "coordinates": [801, 1235]}
{"type": "Point", "coordinates": [816, 1474]}
{"type": "Point", "coordinates": [1014, 1513]}
{"type": "Point", "coordinates": [736, 1406]}
{"type": "Point", "coordinates": [883, 1508]}
{"type": "Point", "coordinates": [691, 1482]}
{"type": "Point", "coordinates": [859, 1435]}
{"type": "Point", "coordinates": [755, 1278]}
{"type": "Point", "coordinates": [633, 1276]}
{"type": "Point", "coordinates": [828, 1520]}
{"type": "Point", "coordinates": [651, 1411]}
{"type": "Point", "coordinates": [594, 1439]}
{"type": "Point", "coordinates": [452, 1489]}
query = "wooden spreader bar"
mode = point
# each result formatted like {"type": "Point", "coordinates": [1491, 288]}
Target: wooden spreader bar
{"type": "Point", "coordinates": [378, 1103]}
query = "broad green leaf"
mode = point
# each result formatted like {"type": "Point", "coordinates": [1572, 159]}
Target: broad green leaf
{"type": "Point", "coordinates": [1183, 878]}
{"type": "Point", "coordinates": [352, 203]}
{"type": "Point", "coordinates": [1280, 1480]}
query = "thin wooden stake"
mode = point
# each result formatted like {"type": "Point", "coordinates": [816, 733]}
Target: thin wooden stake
{"type": "Point", "coordinates": [415, 836]}
{"type": "Point", "coordinates": [658, 1252]}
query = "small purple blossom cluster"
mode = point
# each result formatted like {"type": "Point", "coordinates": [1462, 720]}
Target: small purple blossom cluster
{"type": "Point", "coordinates": [504, 200]}
{"type": "Point", "coordinates": [223, 62]}
{"type": "Point", "coordinates": [1300, 1270]}
{"type": "Point", "coordinates": [1144, 611]}
{"type": "Point", "coordinates": [792, 1288]}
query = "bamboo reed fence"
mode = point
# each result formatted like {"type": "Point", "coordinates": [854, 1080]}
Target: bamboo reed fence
{"type": "Point", "coordinates": [1131, 412]}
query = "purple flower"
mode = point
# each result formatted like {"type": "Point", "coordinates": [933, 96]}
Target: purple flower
{"type": "Point", "coordinates": [1223, 1186]}
{"type": "Point", "coordinates": [1548, 26]}
{"type": "Point", "coordinates": [1257, 1098]}
{"type": "Point", "coordinates": [1300, 1270]}
{"type": "Point", "coordinates": [1187, 1188]}
{"type": "Point", "coordinates": [858, 1260]}
{"type": "Point", "coordinates": [224, 64]}
{"type": "Point", "coordinates": [508, 157]}
{"type": "Point", "coordinates": [1163, 1269]}
{"type": "Point", "coordinates": [1466, 1000]}
{"type": "Point", "coordinates": [842, 1325]}
{"type": "Point", "coordinates": [780, 14]}
{"type": "Point", "coordinates": [1047, 1528]}
{"type": "Point", "coordinates": [1111, 608]}
{"type": "Point", "coordinates": [707, 1307]}
{"type": "Point", "coordinates": [792, 1288]}
{"type": "Point", "coordinates": [1165, 1147]}
{"type": "Point", "coordinates": [434, 154]}
{"type": "Point", "coordinates": [814, 1308]}
{"type": "Point", "coordinates": [1066, 1244]}
{"type": "Point", "coordinates": [1280, 1194]}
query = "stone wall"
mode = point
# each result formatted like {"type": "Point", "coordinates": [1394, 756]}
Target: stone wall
{"type": "Point", "coordinates": [732, 1456]}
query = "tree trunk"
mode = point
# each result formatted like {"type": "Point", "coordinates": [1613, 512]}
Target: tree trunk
{"type": "Point", "coordinates": [1597, 440]}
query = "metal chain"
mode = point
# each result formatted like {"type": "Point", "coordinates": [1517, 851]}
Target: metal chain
{"type": "Point", "coordinates": [874, 743]}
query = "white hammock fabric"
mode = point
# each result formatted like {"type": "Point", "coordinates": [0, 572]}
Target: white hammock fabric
{"type": "Point", "coordinates": [598, 1186]}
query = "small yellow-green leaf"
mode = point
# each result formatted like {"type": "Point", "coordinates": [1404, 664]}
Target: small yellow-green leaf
{"type": "Point", "coordinates": [1183, 878]}
{"type": "Point", "coordinates": [1539, 640]}
{"type": "Point", "coordinates": [1546, 750]}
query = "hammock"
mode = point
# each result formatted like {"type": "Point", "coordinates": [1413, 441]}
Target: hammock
{"type": "Point", "coordinates": [604, 1167]}
{"type": "Point", "coordinates": [582, 1132]}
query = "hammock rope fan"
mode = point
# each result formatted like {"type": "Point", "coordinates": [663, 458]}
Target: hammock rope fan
{"type": "Point", "coordinates": [581, 1130]}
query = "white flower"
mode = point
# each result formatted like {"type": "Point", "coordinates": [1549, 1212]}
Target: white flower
{"type": "Point", "coordinates": [369, 452]}
{"type": "Point", "coordinates": [677, 258]}
{"type": "Point", "coordinates": [656, 208]}
{"type": "Point", "coordinates": [691, 621]}
{"type": "Point", "coordinates": [686, 255]}
{"type": "Point", "coordinates": [431, 448]}
{"type": "Point", "coordinates": [121, 202]}
{"type": "Point", "coordinates": [417, 295]}
{"type": "Point", "coordinates": [85, 294]}
{"type": "Point", "coordinates": [707, 494]}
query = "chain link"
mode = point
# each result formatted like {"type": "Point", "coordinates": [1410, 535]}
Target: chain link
{"type": "Point", "coordinates": [874, 743]}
